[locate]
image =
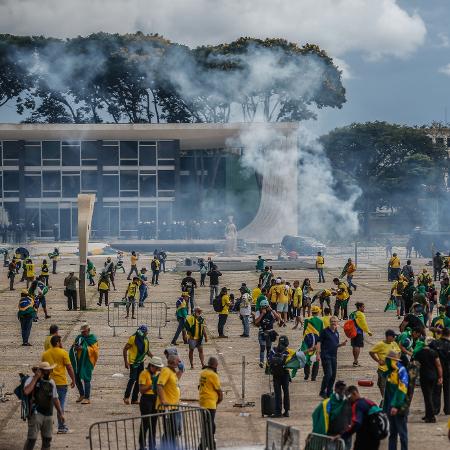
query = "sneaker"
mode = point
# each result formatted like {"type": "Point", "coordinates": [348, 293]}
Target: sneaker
{"type": "Point", "coordinates": [286, 414]}
{"type": "Point", "coordinates": [126, 401]}
{"type": "Point", "coordinates": [135, 402]}
{"type": "Point", "coordinates": [99, 304]}
{"type": "Point", "coordinates": [63, 430]}
{"type": "Point", "coordinates": [80, 399]}
{"type": "Point", "coordinates": [356, 364]}
{"type": "Point", "coordinates": [261, 364]}
{"type": "Point", "coordinates": [85, 401]}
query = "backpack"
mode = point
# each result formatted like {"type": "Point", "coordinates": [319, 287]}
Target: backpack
{"type": "Point", "coordinates": [277, 363]}
{"type": "Point", "coordinates": [350, 329]}
{"type": "Point", "coordinates": [217, 304]}
{"type": "Point", "coordinates": [378, 423]}
{"type": "Point", "coordinates": [25, 407]}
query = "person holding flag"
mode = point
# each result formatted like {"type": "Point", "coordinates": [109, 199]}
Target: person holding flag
{"type": "Point", "coordinates": [83, 357]}
{"type": "Point", "coordinates": [357, 342]}
{"type": "Point", "coordinates": [439, 323]}
{"type": "Point", "coordinates": [312, 328]}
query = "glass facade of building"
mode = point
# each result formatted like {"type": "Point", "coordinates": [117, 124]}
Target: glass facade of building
{"type": "Point", "coordinates": [134, 181]}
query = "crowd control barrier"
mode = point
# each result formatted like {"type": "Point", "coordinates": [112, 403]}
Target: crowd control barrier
{"type": "Point", "coordinates": [316, 441]}
{"type": "Point", "coordinates": [178, 427]}
{"type": "Point", "coordinates": [281, 437]}
{"type": "Point", "coordinates": [152, 314]}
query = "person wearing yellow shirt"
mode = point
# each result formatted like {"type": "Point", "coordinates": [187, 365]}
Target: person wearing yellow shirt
{"type": "Point", "coordinates": [297, 301]}
{"type": "Point", "coordinates": [196, 334]}
{"type": "Point", "coordinates": [54, 331]}
{"type": "Point", "coordinates": [349, 271]}
{"type": "Point", "coordinates": [256, 292]}
{"type": "Point", "coordinates": [223, 314]}
{"type": "Point", "coordinates": [379, 352]}
{"type": "Point", "coordinates": [147, 405]}
{"type": "Point", "coordinates": [320, 262]}
{"type": "Point", "coordinates": [272, 294]}
{"type": "Point", "coordinates": [342, 296]}
{"type": "Point", "coordinates": [134, 258]}
{"type": "Point", "coordinates": [134, 353]}
{"type": "Point", "coordinates": [326, 317]}
{"type": "Point", "coordinates": [29, 272]}
{"type": "Point", "coordinates": [357, 343]}
{"type": "Point", "coordinates": [283, 292]}
{"type": "Point", "coordinates": [103, 287]}
{"type": "Point", "coordinates": [209, 389]}
{"type": "Point", "coordinates": [132, 296]}
{"type": "Point", "coordinates": [167, 388]}
{"type": "Point", "coordinates": [397, 290]}
{"type": "Point", "coordinates": [56, 355]}
{"type": "Point", "coordinates": [394, 268]}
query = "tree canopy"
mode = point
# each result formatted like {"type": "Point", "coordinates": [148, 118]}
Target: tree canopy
{"type": "Point", "coordinates": [140, 78]}
{"type": "Point", "coordinates": [394, 165]}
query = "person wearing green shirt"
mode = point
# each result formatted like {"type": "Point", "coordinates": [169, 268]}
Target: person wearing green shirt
{"type": "Point", "coordinates": [260, 264]}
{"type": "Point", "coordinates": [312, 328]}
{"type": "Point", "coordinates": [260, 299]}
{"type": "Point", "coordinates": [439, 323]}
{"type": "Point", "coordinates": [181, 314]}
{"type": "Point", "coordinates": [445, 292]}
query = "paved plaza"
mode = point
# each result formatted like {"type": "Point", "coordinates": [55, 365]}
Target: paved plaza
{"type": "Point", "coordinates": [233, 429]}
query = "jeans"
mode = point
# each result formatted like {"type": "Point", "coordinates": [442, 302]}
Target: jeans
{"type": "Point", "coordinates": [398, 426]}
{"type": "Point", "coordinates": [202, 279]}
{"type": "Point", "coordinates": [11, 281]}
{"type": "Point", "coordinates": [71, 299]}
{"type": "Point", "coordinates": [181, 322]}
{"type": "Point", "coordinates": [163, 265]}
{"type": "Point", "coordinates": [381, 381]}
{"type": "Point", "coordinates": [155, 276]}
{"type": "Point", "coordinates": [133, 382]}
{"type": "Point", "coordinates": [350, 282]}
{"type": "Point", "coordinates": [280, 383]}
{"type": "Point", "coordinates": [143, 294]}
{"type": "Point", "coordinates": [265, 345]}
{"type": "Point", "coordinates": [191, 300]}
{"type": "Point", "coordinates": [428, 388]}
{"type": "Point", "coordinates": [246, 325]}
{"type": "Point", "coordinates": [329, 366]}
{"type": "Point", "coordinates": [62, 393]}
{"type": "Point", "coordinates": [221, 323]}
{"type": "Point", "coordinates": [133, 269]}
{"type": "Point", "coordinates": [147, 405]}
{"type": "Point", "coordinates": [54, 263]}
{"type": "Point", "coordinates": [321, 277]}
{"type": "Point", "coordinates": [25, 324]}
{"type": "Point", "coordinates": [213, 292]}
{"type": "Point", "coordinates": [437, 274]}
{"type": "Point", "coordinates": [83, 386]}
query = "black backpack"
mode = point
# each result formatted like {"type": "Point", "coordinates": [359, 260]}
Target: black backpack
{"type": "Point", "coordinates": [217, 304]}
{"type": "Point", "coordinates": [277, 362]}
{"type": "Point", "coordinates": [25, 407]}
{"type": "Point", "coordinates": [378, 423]}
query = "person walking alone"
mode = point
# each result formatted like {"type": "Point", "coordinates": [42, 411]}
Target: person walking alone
{"type": "Point", "coordinates": [181, 314]}
{"type": "Point", "coordinates": [134, 258]}
{"type": "Point", "coordinates": [224, 312]}
{"type": "Point", "coordinates": [320, 262]}
{"type": "Point", "coordinates": [70, 291]}
{"type": "Point", "coordinates": [357, 343]}
{"type": "Point", "coordinates": [155, 266]}
{"type": "Point", "coordinates": [26, 315]}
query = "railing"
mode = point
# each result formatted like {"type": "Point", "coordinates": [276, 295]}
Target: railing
{"type": "Point", "coordinates": [316, 441]}
{"type": "Point", "coordinates": [152, 314]}
{"type": "Point", "coordinates": [184, 428]}
{"type": "Point", "coordinates": [281, 437]}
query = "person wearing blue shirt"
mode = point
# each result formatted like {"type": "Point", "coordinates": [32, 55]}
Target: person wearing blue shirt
{"type": "Point", "coordinates": [327, 352]}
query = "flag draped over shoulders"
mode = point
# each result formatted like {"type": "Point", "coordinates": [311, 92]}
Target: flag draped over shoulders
{"type": "Point", "coordinates": [84, 355]}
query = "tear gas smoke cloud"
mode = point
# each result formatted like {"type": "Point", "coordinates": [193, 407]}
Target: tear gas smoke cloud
{"type": "Point", "coordinates": [299, 177]}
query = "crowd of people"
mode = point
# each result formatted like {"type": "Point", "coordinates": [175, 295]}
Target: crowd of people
{"type": "Point", "coordinates": [328, 320]}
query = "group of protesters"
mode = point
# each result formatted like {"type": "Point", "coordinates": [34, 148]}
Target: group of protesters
{"type": "Point", "coordinates": [420, 349]}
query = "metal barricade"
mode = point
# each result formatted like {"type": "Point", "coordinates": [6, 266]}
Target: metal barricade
{"type": "Point", "coordinates": [186, 427]}
{"type": "Point", "coordinates": [281, 437]}
{"type": "Point", "coordinates": [153, 314]}
{"type": "Point", "coordinates": [316, 441]}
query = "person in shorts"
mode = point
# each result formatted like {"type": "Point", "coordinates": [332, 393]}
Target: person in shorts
{"type": "Point", "coordinates": [196, 333]}
{"type": "Point", "coordinates": [306, 290]}
{"type": "Point", "coordinates": [283, 294]}
{"type": "Point", "coordinates": [42, 390]}
{"type": "Point", "coordinates": [357, 342]}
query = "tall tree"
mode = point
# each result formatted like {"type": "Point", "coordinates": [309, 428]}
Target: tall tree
{"type": "Point", "coordinates": [394, 166]}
